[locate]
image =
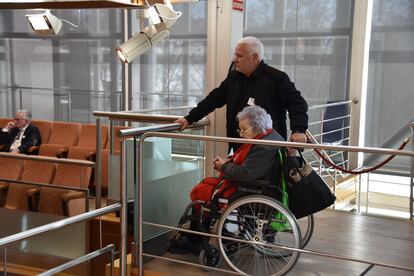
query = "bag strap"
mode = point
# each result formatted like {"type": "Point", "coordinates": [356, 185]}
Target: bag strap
{"type": "Point", "coordinates": [285, 195]}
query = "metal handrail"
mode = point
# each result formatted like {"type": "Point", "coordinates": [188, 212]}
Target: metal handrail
{"type": "Point", "coordinates": [145, 118]}
{"type": "Point", "coordinates": [158, 128]}
{"type": "Point", "coordinates": [58, 224]}
{"type": "Point", "coordinates": [86, 190]}
{"type": "Point", "coordinates": [82, 259]}
{"type": "Point", "coordinates": [47, 159]}
{"type": "Point", "coordinates": [312, 107]}
{"type": "Point", "coordinates": [161, 109]}
{"type": "Point", "coordinates": [280, 143]}
{"type": "Point", "coordinates": [139, 195]}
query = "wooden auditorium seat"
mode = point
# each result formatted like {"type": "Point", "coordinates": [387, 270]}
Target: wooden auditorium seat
{"type": "Point", "coordinates": [45, 129]}
{"type": "Point", "coordinates": [63, 136]}
{"type": "Point", "coordinates": [9, 169]}
{"type": "Point", "coordinates": [3, 124]}
{"type": "Point", "coordinates": [87, 141]}
{"type": "Point", "coordinates": [25, 196]}
{"type": "Point", "coordinates": [66, 202]}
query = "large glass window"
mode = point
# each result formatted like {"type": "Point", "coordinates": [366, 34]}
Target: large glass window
{"type": "Point", "coordinates": [309, 40]}
{"type": "Point", "coordinates": [64, 77]}
{"type": "Point", "coordinates": [390, 95]}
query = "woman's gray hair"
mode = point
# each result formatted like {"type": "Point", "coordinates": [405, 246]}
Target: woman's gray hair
{"type": "Point", "coordinates": [255, 45]}
{"type": "Point", "coordinates": [259, 119]}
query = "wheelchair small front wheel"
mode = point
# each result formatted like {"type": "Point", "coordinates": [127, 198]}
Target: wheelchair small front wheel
{"type": "Point", "coordinates": [266, 224]}
{"type": "Point", "coordinates": [211, 258]}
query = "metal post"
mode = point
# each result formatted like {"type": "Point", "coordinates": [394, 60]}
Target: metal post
{"type": "Point", "coordinates": [123, 201]}
{"type": "Point", "coordinates": [21, 98]}
{"type": "Point", "coordinates": [412, 176]}
{"type": "Point", "coordinates": [111, 137]}
{"type": "Point", "coordinates": [334, 187]}
{"type": "Point", "coordinates": [98, 163]}
{"type": "Point", "coordinates": [69, 107]}
{"type": "Point", "coordinates": [139, 198]}
{"type": "Point", "coordinates": [5, 262]}
{"type": "Point", "coordinates": [359, 193]}
{"type": "Point", "coordinates": [366, 201]}
{"type": "Point", "coordinates": [321, 141]}
{"type": "Point", "coordinates": [112, 261]}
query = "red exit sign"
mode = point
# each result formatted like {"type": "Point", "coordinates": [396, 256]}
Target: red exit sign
{"type": "Point", "coordinates": [238, 5]}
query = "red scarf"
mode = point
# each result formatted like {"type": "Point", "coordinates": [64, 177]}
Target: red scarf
{"type": "Point", "coordinates": [209, 186]}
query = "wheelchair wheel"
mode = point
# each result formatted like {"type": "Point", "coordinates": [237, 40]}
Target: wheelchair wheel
{"type": "Point", "coordinates": [259, 219]}
{"type": "Point", "coordinates": [306, 225]}
{"type": "Point", "coordinates": [211, 259]}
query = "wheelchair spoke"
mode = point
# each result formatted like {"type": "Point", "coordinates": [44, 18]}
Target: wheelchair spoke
{"type": "Point", "coordinates": [250, 219]}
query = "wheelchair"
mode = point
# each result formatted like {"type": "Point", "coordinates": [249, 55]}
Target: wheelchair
{"type": "Point", "coordinates": [252, 214]}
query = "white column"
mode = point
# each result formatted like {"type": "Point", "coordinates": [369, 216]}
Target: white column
{"type": "Point", "coordinates": [361, 35]}
{"type": "Point", "coordinates": [225, 28]}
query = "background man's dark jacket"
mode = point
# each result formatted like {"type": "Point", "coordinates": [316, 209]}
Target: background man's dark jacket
{"type": "Point", "coordinates": [31, 137]}
{"type": "Point", "coordinates": [271, 89]}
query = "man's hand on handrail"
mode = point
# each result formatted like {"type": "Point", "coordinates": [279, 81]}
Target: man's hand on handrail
{"type": "Point", "coordinates": [184, 123]}
{"type": "Point", "coordinates": [297, 137]}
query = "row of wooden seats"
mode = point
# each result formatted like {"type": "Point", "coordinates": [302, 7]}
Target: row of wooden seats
{"type": "Point", "coordinates": [40, 198]}
{"type": "Point", "coordinates": [20, 196]}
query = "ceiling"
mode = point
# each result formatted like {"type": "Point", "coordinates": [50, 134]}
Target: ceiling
{"type": "Point", "coordinates": [79, 4]}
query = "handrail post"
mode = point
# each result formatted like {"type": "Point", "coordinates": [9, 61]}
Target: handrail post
{"type": "Point", "coordinates": [123, 215]}
{"type": "Point", "coordinates": [98, 164]}
{"type": "Point", "coordinates": [140, 218]}
{"type": "Point", "coordinates": [412, 176]}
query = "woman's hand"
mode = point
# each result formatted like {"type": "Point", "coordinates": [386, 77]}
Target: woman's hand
{"type": "Point", "coordinates": [218, 162]}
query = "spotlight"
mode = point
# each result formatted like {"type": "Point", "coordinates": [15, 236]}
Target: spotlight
{"type": "Point", "coordinates": [45, 23]}
{"type": "Point", "coordinates": [162, 18]}
{"type": "Point", "coordinates": [140, 43]}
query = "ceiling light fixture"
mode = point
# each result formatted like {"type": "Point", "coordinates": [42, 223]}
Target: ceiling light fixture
{"type": "Point", "coordinates": [161, 17]}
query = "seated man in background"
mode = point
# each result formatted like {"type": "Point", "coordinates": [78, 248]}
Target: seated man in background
{"type": "Point", "coordinates": [19, 135]}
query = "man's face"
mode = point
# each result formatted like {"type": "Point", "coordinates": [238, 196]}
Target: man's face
{"type": "Point", "coordinates": [20, 120]}
{"type": "Point", "coordinates": [245, 61]}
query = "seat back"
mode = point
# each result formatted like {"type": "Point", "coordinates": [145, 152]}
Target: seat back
{"type": "Point", "coordinates": [65, 133]}
{"type": "Point", "coordinates": [10, 168]}
{"type": "Point", "coordinates": [45, 129]}
{"type": "Point", "coordinates": [17, 193]}
{"type": "Point", "coordinates": [4, 121]}
{"type": "Point", "coordinates": [50, 200]}
{"type": "Point", "coordinates": [333, 112]}
{"type": "Point", "coordinates": [87, 136]}
{"type": "Point", "coordinates": [116, 139]}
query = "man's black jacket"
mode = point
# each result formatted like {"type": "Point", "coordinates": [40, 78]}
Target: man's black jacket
{"type": "Point", "coordinates": [31, 137]}
{"type": "Point", "coordinates": [270, 88]}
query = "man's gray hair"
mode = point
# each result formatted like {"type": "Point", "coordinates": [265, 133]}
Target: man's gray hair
{"type": "Point", "coordinates": [27, 113]}
{"type": "Point", "coordinates": [254, 44]}
{"type": "Point", "coordinates": [259, 119]}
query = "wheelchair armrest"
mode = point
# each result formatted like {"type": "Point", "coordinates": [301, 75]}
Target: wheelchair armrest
{"type": "Point", "coordinates": [257, 182]}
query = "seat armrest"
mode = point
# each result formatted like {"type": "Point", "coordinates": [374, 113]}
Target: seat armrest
{"type": "Point", "coordinates": [72, 195]}
{"type": "Point", "coordinates": [62, 152]}
{"type": "Point", "coordinates": [66, 198]}
{"type": "Point", "coordinates": [33, 150]}
{"type": "Point", "coordinates": [4, 187]}
{"type": "Point", "coordinates": [3, 193]}
{"type": "Point", "coordinates": [33, 196]}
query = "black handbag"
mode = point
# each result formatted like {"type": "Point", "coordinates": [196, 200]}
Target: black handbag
{"type": "Point", "coordinates": [307, 191]}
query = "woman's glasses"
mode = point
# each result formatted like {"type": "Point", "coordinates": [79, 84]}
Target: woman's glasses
{"type": "Point", "coordinates": [243, 131]}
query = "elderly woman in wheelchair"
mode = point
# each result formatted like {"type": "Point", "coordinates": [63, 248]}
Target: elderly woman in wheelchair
{"type": "Point", "coordinates": [242, 205]}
